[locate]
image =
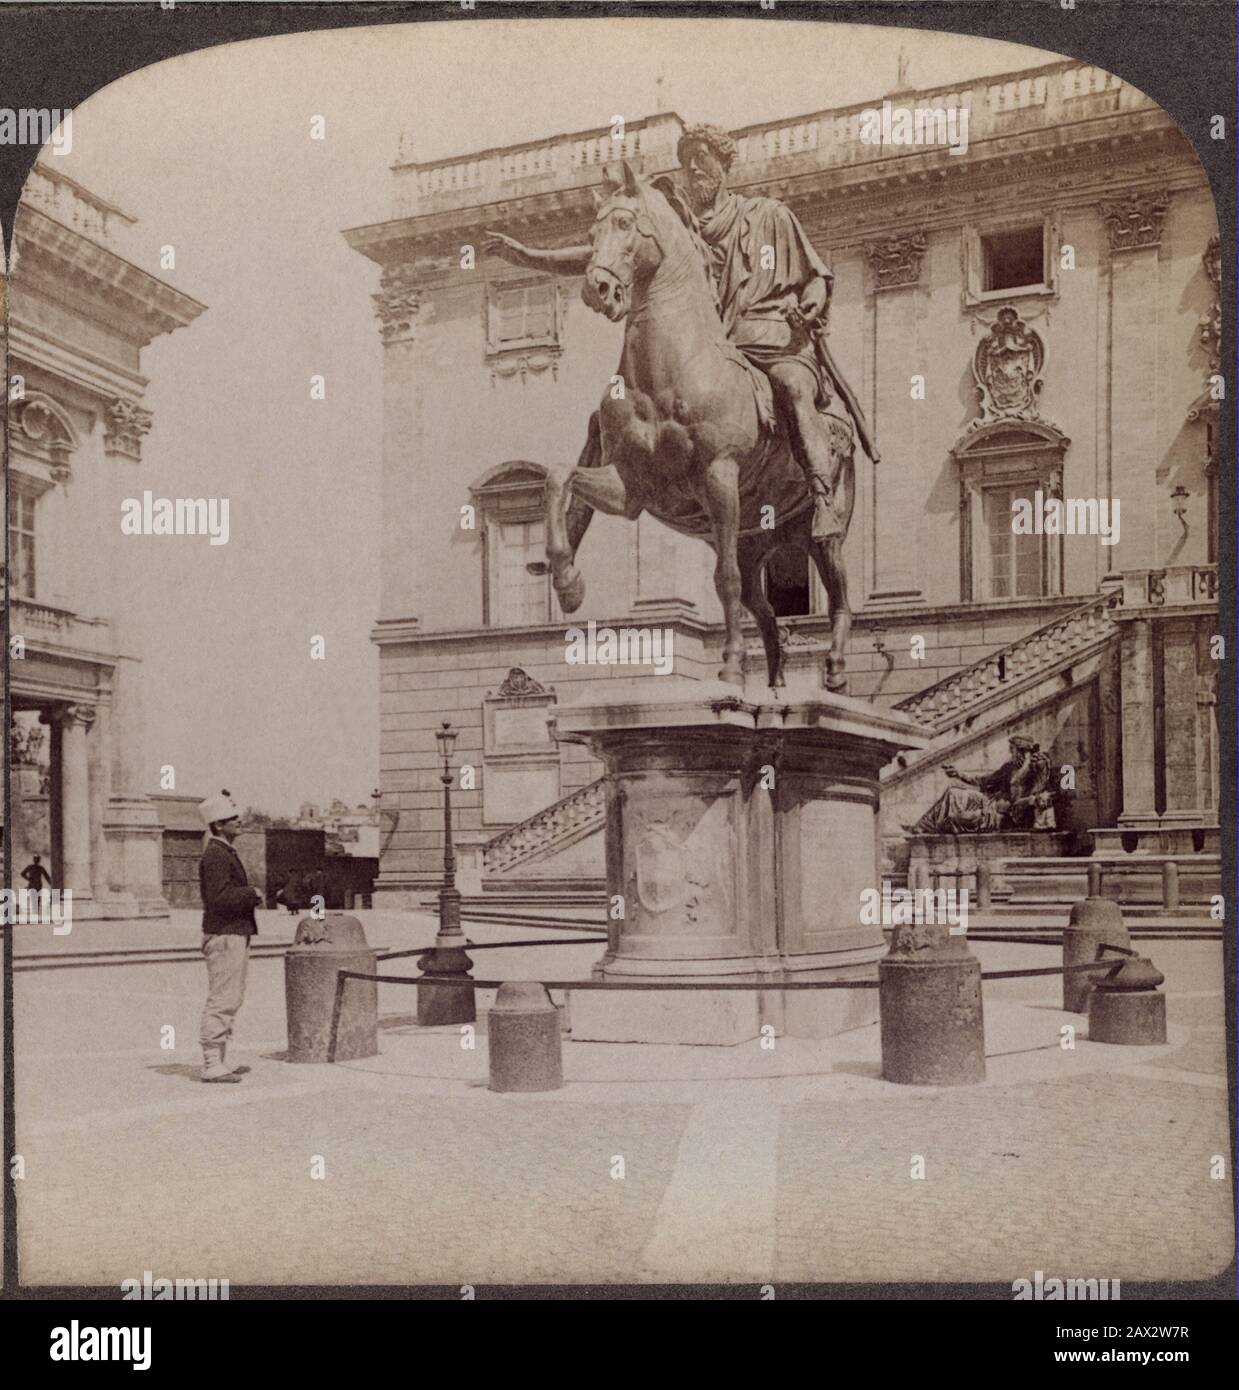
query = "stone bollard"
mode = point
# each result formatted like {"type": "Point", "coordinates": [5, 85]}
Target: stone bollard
{"type": "Point", "coordinates": [929, 1001]}
{"type": "Point", "coordinates": [1170, 885]}
{"type": "Point", "coordinates": [1094, 880]}
{"type": "Point", "coordinates": [1126, 1008]}
{"type": "Point", "coordinates": [985, 885]}
{"type": "Point", "coordinates": [526, 1050]}
{"type": "Point", "coordinates": [1094, 921]}
{"type": "Point", "coordinates": [320, 950]}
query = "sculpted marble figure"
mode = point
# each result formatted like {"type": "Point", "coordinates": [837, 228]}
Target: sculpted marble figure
{"type": "Point", "coordinates": [1015, 796]}
{"type": "Point", "coordinates": [723, 420]}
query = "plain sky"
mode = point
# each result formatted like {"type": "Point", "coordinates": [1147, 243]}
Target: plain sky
{"type": "Point", "coordinates": [212, 153]}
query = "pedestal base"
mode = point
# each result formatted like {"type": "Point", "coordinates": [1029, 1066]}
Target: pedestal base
{"type": "Point", "coordinates": [741, 845]}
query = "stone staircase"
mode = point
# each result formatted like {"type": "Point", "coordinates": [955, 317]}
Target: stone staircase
{"type": "Point", "coordinates": [1022, 664]}
{"type": "Point", "coordinates": [554, 855]}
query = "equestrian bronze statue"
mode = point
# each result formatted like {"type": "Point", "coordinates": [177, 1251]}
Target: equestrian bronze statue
{"type": "Point", "coordinates": [718, 419]}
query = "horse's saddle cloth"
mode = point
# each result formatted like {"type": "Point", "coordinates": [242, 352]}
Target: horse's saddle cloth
{"type": "Point", "coordinates": [763, 391]}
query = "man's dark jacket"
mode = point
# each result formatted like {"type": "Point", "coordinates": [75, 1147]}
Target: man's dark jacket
{"type": "Point", "coordinates": [227, 898]}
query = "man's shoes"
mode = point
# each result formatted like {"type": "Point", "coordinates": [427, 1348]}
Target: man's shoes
{"type": "Point", "coordinates": [219, 1072]}
{"type": "Point", "coordinates": [213, 1068]}
{"type": "Point", "coordinates": [239, 1070]}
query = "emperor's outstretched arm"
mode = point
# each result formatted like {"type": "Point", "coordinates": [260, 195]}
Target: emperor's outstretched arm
{"type": "Point", "coordinates": [567, 260]}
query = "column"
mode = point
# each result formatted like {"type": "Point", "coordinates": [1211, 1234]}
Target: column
{"type": "Point", "coordinates": [1184, 802]}
{"type": "Point", "coordinates": [75, 722]}
{"type": "Point", "coordinates": [1139, 806]}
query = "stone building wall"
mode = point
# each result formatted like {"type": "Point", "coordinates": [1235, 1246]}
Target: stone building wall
{"type": "Point", "coordinates": [1127, 219]}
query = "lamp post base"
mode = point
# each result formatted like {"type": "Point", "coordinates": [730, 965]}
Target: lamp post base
{"type": "Point", "coordinates": [449, 1002]}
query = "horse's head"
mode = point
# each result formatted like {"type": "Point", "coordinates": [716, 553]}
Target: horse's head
{"type": "Point", "coordinates": [626, 246]}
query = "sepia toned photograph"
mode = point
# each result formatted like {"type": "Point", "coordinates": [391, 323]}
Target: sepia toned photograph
{"type": "Point", "coordinates": [614, 673]}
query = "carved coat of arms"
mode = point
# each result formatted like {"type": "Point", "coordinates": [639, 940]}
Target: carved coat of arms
{"type": "Point", "coordinates": [1007, 367]}
{"type": "Point", "coordinates": [661, 869]}
{"type": "Point", "coordinates": [683, 859]}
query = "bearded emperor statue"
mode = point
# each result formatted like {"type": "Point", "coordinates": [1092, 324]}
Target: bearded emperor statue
{"type": "Point", "coordinates": [724, 428]}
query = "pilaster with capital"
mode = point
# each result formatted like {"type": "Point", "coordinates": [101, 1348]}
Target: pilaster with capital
{"type": "Point", "coordinates": [397, 306]}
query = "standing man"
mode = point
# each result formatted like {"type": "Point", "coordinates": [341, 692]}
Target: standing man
{"type": "Point", "coordinates": [228, 904]}
{"type": "Point", "coordinates": [36, 875]}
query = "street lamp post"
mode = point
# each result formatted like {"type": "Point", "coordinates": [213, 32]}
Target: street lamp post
{"type": "Point", "coordinates": [447, 1003]}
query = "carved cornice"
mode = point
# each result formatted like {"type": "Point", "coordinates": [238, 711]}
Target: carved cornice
{"type": "Point", "coordinates": [1135, 222]}
{"type": "Point", "coordinates": [125, 422]}
{"type": "Point", "coordinates": [93, 281]}
{"type": "Point", "coordinates": [397, 303]}
{"type": "Point", "coordinates": [896, 262]}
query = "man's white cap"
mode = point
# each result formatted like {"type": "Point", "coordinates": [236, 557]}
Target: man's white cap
{"type": "Point", "coordinates": [215, 808]}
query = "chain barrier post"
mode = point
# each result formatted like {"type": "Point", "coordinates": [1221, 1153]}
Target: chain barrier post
{"type": "Point", "coordinates": [1126, 1007]}
{"type": "Point", "coordinates": [313, 993]}
{"type": "Point", "coordinates": [930, 1013]}
{"type": "Point", "coordinates": [1095, 921]}
{"type": "Point", "coordinates": [524, 1040]}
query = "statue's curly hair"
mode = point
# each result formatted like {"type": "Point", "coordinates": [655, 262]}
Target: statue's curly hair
{"type": "Point", "coordinates": [713, 137]}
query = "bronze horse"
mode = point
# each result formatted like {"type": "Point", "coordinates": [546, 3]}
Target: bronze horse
{"type": "Point", "coordinates": [687, 432]}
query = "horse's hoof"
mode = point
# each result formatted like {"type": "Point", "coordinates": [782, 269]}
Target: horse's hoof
{"type": "Point", "coordinates": [837, 685]}
{"type": "Point", "coordinates": [571, 593]}
{"type": "Point", "coordinates": [732, 677]}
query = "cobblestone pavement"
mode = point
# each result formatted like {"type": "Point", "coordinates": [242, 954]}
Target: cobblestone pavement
{"type": "Point", "coordinates": [1093, 1164]}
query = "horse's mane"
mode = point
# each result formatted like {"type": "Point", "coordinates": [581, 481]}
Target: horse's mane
{"type": "Point", "coordinates": [664, 186]}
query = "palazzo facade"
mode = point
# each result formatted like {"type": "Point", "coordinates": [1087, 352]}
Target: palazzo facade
{"type": "Point", "coordinates": [80, 313]}
{"type": "Point", "coordinates": [1036, 319]}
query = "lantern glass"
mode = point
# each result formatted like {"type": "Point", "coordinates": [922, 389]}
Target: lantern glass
{"type": "Point", "coordinates": [446, 737]}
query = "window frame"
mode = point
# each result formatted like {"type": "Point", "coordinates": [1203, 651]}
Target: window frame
{"type": "Point", "coordinates": [974, 257]}
{"type": "Point", "coordinates": [1007, 454]}
{"type": "Point", "coordinates": [22, 490]}
{"type": "Point", "coordinates": [496, 346]}
{"type": "Point", "coordinates": [511, 493]}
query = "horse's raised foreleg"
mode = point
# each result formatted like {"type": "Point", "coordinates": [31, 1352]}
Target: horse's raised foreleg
{"type": "Point", "coordinates": [752, 595]}
{"type": "Point", "coordinates": [571, 500]}
{"type": "Point", "coordinates": [722, 499]}
{"type": "Point", "coordinates": [560, 549]}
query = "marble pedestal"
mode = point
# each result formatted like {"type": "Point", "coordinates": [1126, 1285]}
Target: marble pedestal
{"type": "Point", "coordinates": [741, 833]}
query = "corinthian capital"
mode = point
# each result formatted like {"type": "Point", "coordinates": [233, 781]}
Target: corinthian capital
{"type": "Point", "coordinates": [1136, 220]}
{"type": "Point", "coordinates": [896, 261]}
{"type": "Point", "coordinates": [397, 303]}
{"type": "Point", "coordinates": [124, 424]}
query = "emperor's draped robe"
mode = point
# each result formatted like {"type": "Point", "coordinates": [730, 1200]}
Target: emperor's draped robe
{"type": "Point", "coordinates": [752, 295]}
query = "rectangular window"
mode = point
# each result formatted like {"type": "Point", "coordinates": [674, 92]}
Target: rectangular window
{"type": "Point", "coordinates": [1013, 259]}
{"type": "Point", "coordinates": [1009, 258]}
{"type": "Point", "coordinates": [520, 598]}
{"type": "Point", "coordinates": [524, 314]}
{"type": "Point", "coordinates": [1017, 563]}
{"type": "Point", "coordinates": [21, 544]}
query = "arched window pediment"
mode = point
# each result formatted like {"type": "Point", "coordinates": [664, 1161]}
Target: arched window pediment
{"type": "Point", "coordinates": [42, 431]}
